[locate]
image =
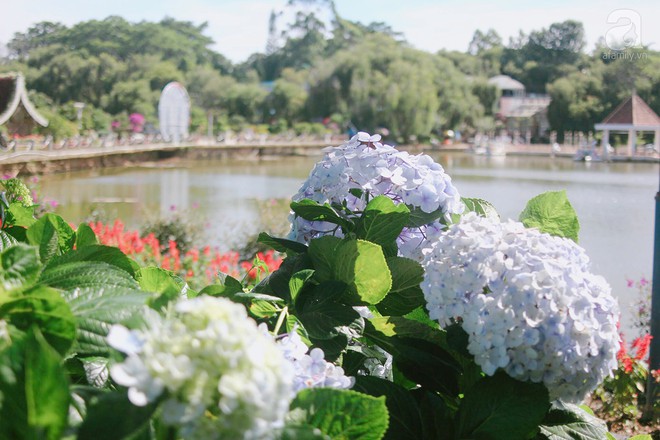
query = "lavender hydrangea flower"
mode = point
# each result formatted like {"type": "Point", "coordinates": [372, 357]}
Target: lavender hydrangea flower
{"type": "Point", "coordinates": [310, 367]}
{"type": "Point", "coordinates": [366, 164]}
{"type": "Point", "coordinates": [223, 377]}
{"type": "Point", "coordinates": [528, 302]}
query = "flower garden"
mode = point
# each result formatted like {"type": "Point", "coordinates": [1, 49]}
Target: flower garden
{"type": "Point", "coordinates": [396, 308]}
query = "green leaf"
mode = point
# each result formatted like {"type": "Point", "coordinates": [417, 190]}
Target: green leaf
{"type": "Point", "coordinates": [168, 286]}
{"type": "Point", "coordinates": [382, 221]}
{"type": "Point", "coordinates": [565, 421]}
{"type": "Point", "coordinates": [96, 309]}
{"type": "Point", "coordinates": [52, 235]}
{"type": "Point", "coordinates": [322, 252]}
{"type": "Point", "coordinates": [362, 266]}
{"type": "Point", "coordinates": [281, 244]}
{"type": "Point", "coordinates": [96, 252]}
{"type": "Point", "coordinates": [20, 266]}
{"type": "Point", "coordinates": [313, 211]}
{"type": "Point", "coordinates": [35, 388]}
{"type": "Point", "coordinates": [405, 417]}
{"type": "Point", "coordinates": [420, 218]}
{"type": "Point", "coordinates": [400, 326]}
{"type": "Point", "coordinates": [22, 215]}
{"type": "Point", "coordinates": [113, 409]}
{"type": "Point", "coordinates": [641, 437]}
{"type": "Point", "coordinates": [502, 408]}
{"type": "Point", "coordinates": [406, 294]}
{"type": "Point", "coordinates": [322, 313]}
{"type": "Point", "coordinates": [341, 414]}
{"type": "Point", "coordinates": [79, 274]}
{"type": "Point", "coordinates": [46, 388]}
{"type": "Point", "coordinates": [301, 432]}
{"type": "Point", "coordinates": [298, 280]}
{"type": "Point", "coordinates": [85, 236]}
{"type": "Point", "coordinates": [426, 363]}
{"type": "Point", "coordinates": [45, 308]}
{"type": "Point", "coordinates": [481, 207]}
{"type": "Point", "coordinates": [551, 212]}
{"type": "Point", "coordinates": [6, 240]}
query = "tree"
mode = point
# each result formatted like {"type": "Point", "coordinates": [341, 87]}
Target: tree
{"type": "Point", "coordinates": [483, 42]}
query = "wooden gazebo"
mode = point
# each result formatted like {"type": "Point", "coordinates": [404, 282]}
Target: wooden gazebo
{"type": "Point", "coordinates": [16, 110]}
{"type": "Point", "coordinates": [631, 116]}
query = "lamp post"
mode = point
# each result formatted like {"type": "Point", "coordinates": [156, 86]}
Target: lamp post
{"type": "Point", "coordinates": [654, 357]}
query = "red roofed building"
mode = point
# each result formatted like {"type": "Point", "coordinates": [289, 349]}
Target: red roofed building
{"type": "Point", "coordinates": [16, 110]}
{"type": "Point", "coordinates": [631, 116]}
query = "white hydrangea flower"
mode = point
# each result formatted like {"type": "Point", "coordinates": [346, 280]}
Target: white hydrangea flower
{"type": "Point", "coordinates": [310, 367]}
{"type": "Point", "coordinates": [528, 303]}
{"type": "Point", "coordinates": [365, 163]}
{"type": "Point", "coordinates": [222, 377]}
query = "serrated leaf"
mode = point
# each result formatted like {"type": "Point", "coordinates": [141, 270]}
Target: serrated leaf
{"type": "Point", "coordinates": [85, 236]}
{"type": "Point", "coordinates": [281, 244]}
{"type": "Point", "coordinates": [566, 421]}
{"type": "Point", "coordinates": [44, 308]}
{"type": "Point", "coordinates": [52, 235]}
{"type": "Point", "coordinates": [96, 370]}
{"type": "Point", "coordinates": [362, 266]}
{"type": "Point", "coordinates": [400, 326]}
{"type": "Point", "coordinates": [341, 414]}
{"type": "Point", "coordinates": [6, 240]}
{"type": "Point", "coordinates": [80, 274]}
{"type": "Point", "coordinates": [406, 294]}
{"type": "Point", "coordinates": [480, 207]}
{"type": "Point", "coordinates": [551, 212]}
{"type": "Point", "coordinates": [405, 417]}
{"type": "Point", "coordinates": [298, 280]}
{"type": "Point", "coordinates": [322, 313]}
{"type": "Point", "coordinates": [502, 408]}
{"type": "Point", "coordinates": [95, 252]}
{"type": "Point", "coordinates": [164, 283]}
{"type": "Point", "coordinates": [419, 218]}
{"type": "Point", "coordinates": [22, 215]}
{"type": "Point", "coordinates": [20, 266]}
{"type": "Point", "coordinates": [322, 252]}
{"type": "Point", "coordinates": [313, 211]}
{"type": "Point", "coordinates": [382, 221]}
{"type": "Point", "coordinates": [96, 309]}
{"type": "Point", "coordinates": [46, 388]}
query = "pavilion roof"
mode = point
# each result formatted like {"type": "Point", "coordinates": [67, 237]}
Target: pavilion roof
{"type": "Point", "coordinates": [12, 94]}
{"type": "Point", "coordinates": [633, 112]}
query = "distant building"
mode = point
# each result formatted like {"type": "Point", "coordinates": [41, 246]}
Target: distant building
{"type": "Point", "coordinates": [525, 116]}
{"type": "Point", "coordinates": [16, 110]}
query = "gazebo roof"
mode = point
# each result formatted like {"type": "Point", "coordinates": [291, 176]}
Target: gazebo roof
{"type": "Point", "coordinates": [505, 82]}
{"type": "Point", "coordinates": [12, 94]}
{"type": "Point", "coordinates": [632, 113]}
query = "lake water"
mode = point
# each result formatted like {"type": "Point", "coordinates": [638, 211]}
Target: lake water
{"type": "Point", "coordinates": [234, 200]}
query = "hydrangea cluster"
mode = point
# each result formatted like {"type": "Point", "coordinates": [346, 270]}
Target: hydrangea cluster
{"type": "Point", "coordinates": [311, 369]}
{"type": "Point", "coordinates": [221, 376]}
{"type": "Point", "coordinates": [528, 302]}
{"type": "Point", "coordinates": [366, 164]}
{"type": "Point", "coordinates": [17, 192]}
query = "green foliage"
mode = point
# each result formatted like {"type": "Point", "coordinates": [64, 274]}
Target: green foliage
{"type": "Point", "coordinates": [341, 415]}
{"type": "Point", "coordinates": [61, 292]}
{"type": "Point", "coordinates": [551, 212]}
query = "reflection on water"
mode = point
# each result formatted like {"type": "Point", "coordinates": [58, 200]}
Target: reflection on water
{"type": "Point", "coordinates": [614, 201]}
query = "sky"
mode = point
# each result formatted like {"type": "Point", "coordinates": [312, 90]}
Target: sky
{"type": "Point", "coordinates": [240, 27]}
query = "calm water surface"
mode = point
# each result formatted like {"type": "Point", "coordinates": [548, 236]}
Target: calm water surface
{"type": "Point", "coordinates": [615, 202]}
